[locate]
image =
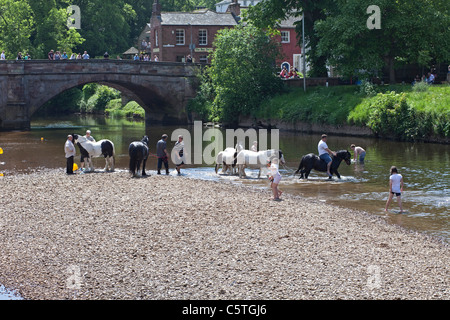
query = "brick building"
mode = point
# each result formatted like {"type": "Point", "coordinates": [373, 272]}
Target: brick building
{"type": "Point", "coordinates": [174, 35]}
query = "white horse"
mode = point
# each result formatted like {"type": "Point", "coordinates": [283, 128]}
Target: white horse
{"type": "Point", "coordinates": [259, 160]}
{"type": "Point", "coordinates": [96, 149]}
{"type": "Point", "coordinates": [227, 158]}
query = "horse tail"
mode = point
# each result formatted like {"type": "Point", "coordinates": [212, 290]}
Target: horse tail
{"type": "Point", "coordinates": [132, 165]}
{"type": "Point", "coordinates": [132, 153]}
{"type": "Point", "coordinates": [299, 167]}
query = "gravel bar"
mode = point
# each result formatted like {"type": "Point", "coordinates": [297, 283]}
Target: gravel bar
{"type": "Point", "coordinates": [109, 236]}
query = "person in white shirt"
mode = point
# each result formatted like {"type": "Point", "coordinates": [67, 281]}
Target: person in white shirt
{"type": "Point", "coordinates": [395, 187]}
{"type": "Point", "coordinates": [70, 151]}
{"type": "Point", "coordinates": [255, 146]}
{"type": "Point", "coordinates": [275, 178]}
{"type": "Point", "coordinates": [324, 153]}
{"type": "Point", "coordinates": [2, 56]}
{"type": "Point", "coordinates": [179, 154]}
{"type": "Point", "coordinates": [85, 56]}
{"type": "Point", "coordinates": [84, 153]}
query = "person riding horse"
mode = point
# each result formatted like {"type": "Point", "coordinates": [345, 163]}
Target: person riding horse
{"type": "Point", "coordinates": [324, 153]}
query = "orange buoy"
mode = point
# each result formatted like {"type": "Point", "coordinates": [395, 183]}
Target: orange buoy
{"type": "Point", "coordinates": [1, 151]}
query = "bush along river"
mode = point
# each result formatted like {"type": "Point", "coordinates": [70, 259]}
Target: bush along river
{"type": "Point", "coordinates": [425, 167]}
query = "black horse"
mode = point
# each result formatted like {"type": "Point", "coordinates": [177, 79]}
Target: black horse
{"type": "Point", "coordinates": [138, 152]}
{"type": "Point", "coordinates": [311, 161]}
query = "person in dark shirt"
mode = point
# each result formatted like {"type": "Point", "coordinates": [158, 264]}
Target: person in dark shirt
{"type": "Point", "coordinates": [162, 154]}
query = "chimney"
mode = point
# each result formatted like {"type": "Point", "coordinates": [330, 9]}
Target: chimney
{"type": "Point", "coordinates": [156, 8]}
{"type": "Point", "coordinates": [234, 8]}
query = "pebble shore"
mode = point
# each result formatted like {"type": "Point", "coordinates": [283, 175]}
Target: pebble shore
{"type": "Point", "coordinates": [109, 236]}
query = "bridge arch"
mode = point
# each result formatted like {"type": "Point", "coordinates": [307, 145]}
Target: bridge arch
{"type": "Point", "coordinates": [162, 89]}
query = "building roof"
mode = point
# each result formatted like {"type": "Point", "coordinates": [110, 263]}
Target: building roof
{"type": "Point", "coordinates": [198, 18]}
{"type": "Point", "coordinates": [132, 50]}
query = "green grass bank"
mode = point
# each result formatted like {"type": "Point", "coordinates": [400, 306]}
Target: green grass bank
{"type": "Point", "coordinates": [401, 112]}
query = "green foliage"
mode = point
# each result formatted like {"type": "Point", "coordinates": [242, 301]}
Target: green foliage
{"type": "Point", "coordinates": [131, 110]}
{"type": "Point", "coordinates": [202, 105]}
{"type": "Point", "coordinates": [16, 25]}
{"type": "Point", "coordinates": [317, 105]}
{"type": "Point", "coordinates": [406, 115]}
{"type": "Point", "coordinates": [96, 98]}
{"type": "Point", "coordinates": [241, 75]}
{"type": "Point", "coordinates": [65, 103]}
{"type": "Point", "coordinates": [411, 32]}
{"type": "Point", "coordinates": [367, 88]}
{"type": "Point", "coordinates": [336, 32]}
{"type": "Point", "coordinates": [36, 26]}
{"type": "Point", "coordinates": [421, 86]}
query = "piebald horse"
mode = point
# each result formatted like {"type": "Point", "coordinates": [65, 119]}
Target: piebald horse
{"type": "Point", "coordinates": [96, 149]}
{"type": "Point", "coordinates": [227, 158]}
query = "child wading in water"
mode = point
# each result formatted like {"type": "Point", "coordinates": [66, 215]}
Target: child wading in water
{"type": "Point", "coordinates": [275, 178]}
{"type": "Point", "coordinates": [395, 187]}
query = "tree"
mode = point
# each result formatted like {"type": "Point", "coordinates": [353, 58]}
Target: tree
{"type": "Point", "coordinates": [337, 33]}
{"type": "Point", "coordinates": [411, 32]}
{"type": "Point", "coordinates": [268, 13]}
{"type": "Point", "coordinates": [16, 25]}
{"type": "Point", "coordinates": [105, 25]}
{"type": "Point", "coordinates": [242, 71]}
{"type": "Point", "coordinates": [51, 30]}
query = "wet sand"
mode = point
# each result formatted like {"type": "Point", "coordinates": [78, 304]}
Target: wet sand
{"type": "Point", "coordinates": [108, 236]}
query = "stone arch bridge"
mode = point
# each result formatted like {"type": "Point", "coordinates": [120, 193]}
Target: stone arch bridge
{"type": "Point", "coordinates": [161, 88]}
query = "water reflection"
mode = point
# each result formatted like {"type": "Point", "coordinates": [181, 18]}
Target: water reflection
{"type": "Point", "coordinates": [364, 186]}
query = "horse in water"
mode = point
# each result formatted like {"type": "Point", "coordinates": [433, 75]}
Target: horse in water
{"type": "Point", "coordinates": [138, 151]}
{"type": "Point", "coordinates": [227, 158]}
{"type": "Point", "coordinates": [96, 149]}
{"type": "Point", "coordinates": [312, 161]}
{"type": "Point", "coordinates": [260, 160]}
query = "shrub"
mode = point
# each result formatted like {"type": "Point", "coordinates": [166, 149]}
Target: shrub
{"type": "Point", "coordinates": [421, 86]}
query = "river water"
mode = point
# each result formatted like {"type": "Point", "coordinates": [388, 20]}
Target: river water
{"type": "Point", "coordinates": [425, 167]}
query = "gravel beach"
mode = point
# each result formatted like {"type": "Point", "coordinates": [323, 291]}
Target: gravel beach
{"type": "Point", "coordinates": [109, 236]}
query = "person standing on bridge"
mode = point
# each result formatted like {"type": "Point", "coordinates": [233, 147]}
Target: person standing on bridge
{"type": "Point", "coordinates": [51, 55]}
{"type": "Point", "coordinates": [85, 56]}
{"type": "Point", "coordinates": [2, 56]}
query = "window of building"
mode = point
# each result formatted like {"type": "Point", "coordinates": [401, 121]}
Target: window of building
{"type": "Point", "coordinates": [179, 36]}
{"type": "Point", "coordinates": [156, 38]}
{"type": "Point", "coordinates": [203, 59]}
{"type": "Point", "coordinates": [285, 37]}
{"type": "Point", "coordinates": [202, 37]}
{"type": "Point", "coordinates": [180, 59]}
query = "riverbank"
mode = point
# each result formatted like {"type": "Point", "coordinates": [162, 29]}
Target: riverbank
{"type": "Point", "coordinates": [106, 236]}
{"type": "Point", "coordinates": [398, 112]}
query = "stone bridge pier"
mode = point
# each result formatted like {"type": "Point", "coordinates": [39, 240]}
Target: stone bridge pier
{"type": "Point", "coordinates": [163, 89]}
